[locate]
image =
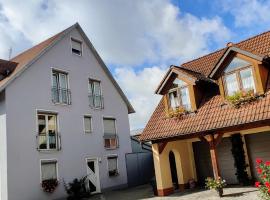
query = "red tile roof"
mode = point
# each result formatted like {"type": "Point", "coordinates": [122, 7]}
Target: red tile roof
{"type": "Point", "coordinates": [212, 114]}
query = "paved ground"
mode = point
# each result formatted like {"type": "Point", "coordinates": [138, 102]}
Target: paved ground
{"type": "Point", "coordinates": [145, 192]}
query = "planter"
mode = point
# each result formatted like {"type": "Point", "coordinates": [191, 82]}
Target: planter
{"type": "Point", "coordinates": [219, 192]}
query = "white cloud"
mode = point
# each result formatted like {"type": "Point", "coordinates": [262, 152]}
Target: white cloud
{"type": "Point", "coordinates": [248, 13]}
{"type": "Point", "coordinates": [125, 33]}
{"type": "Point", "coordinates": [140, 87]}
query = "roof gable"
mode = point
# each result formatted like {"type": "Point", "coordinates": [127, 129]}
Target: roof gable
{"type": "Point", "coordinates": [28, 57]}
{"type": "Point", "coordinates": [228, 54]}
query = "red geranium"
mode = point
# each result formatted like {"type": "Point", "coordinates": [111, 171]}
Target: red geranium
{"type": "Point", "coordinates": [264, 176]}
{"type": "Point", "coordinates": [259, 170]}
{"type": "Point", "coordinates": [267, 184]}
{"type": "Point", "coordinates": [267, 163]}
{"type": "Point", "coordinates": [258, 161]}
{"type": "Point", "coordinates": [257, 184]}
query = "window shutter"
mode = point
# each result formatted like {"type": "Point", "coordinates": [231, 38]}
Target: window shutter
{"type": "Point", "coordinates": [76, 45]}
{"type": "Point", "coordinates": [109, 127]}
{"type": "Point", "coordinates": [87, 124]}
{"type": "Point", "coordinates": [48, 170]}
{"type": "Point", "coordinates": [112, 163]}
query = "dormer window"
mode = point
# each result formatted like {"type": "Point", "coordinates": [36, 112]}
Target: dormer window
{"type": "Point", "coordinates": [76, 47]}
{"type": "Point", "coordinates": [238, 76]}
{"type": "Point", "coordinates": [179, 95]}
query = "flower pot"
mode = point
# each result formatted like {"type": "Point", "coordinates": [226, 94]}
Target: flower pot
{"type": "Point", "coordinates": [219, 192]}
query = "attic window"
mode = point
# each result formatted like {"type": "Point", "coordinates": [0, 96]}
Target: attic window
{"type": "Point", "coordinates": [76, 47]}
{"type": "Point", "coordinates": [238, 76]}
{"type": "Point", "coordinates": [179, 95]}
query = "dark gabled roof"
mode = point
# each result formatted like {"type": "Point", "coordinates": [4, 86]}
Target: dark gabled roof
{"type": "Point", "coordinates": [28, 57]}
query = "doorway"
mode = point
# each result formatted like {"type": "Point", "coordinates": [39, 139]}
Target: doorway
{"type": "Point", "coordinates": [93, 182]}
{"type": "Point", "coordinates": [173, 170]}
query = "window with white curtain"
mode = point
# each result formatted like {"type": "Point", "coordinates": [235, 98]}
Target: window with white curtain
{"type": "Point", "coordinates": [48, 169]}
{"type": "Point", "coordinates": [113, 165]}
{"type": "Point", "coordinates": [95, 94]}
{"type": "Point", "coordinates": [238, 76]}
{"type": "Point", "coordinates": [87, 121]}
{"type": "Point", "coordinates": [60, 88]}
{"type": "Point", "coordinates": [179, 95]}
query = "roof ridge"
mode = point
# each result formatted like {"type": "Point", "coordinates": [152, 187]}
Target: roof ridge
{"type": "Point", "coordinates": [218, 50]}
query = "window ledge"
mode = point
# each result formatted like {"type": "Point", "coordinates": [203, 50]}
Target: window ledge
{"type": "Point", "coordinates": [48, 150]}
{"type": "Point", "coordinates": [61, 104]}
{"type": "Point", "coordinates": [112, 148]}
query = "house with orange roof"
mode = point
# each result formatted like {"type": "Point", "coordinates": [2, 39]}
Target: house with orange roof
{"type": "Point", "coordinates": [214, 116]}
{"type": "Point", "coordinates": [62, 116]}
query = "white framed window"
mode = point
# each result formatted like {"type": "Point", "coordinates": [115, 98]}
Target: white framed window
{"type": "Point", "coordinates": [110, 135]}
{"type": "Point", "coordinates": [48, 137]}
{"type": "Point", "coordinates": [60, 88]}
{"type": "Point", "coordinates": [95, 94]}
{"type": "Point", "coordinates": [238, 76]}
{"type": "Point", "coordinates": [113, 165]}
{"type": "Point", "coordinates": [76, 47]}
{"type": "Point", "coordinates": [87, 123]}
{"type": "Point", "coordinates": [48, 170]}
{"type": "Point", "coordinates": [179, 95]}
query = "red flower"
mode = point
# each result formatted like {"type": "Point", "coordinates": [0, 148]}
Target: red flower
{"type": "Point", "coordinates": [259, 170]}
{"type": "Point", "coordinates": [268, 190]}
{"type": "Point", "coordinates": [257, 184]}
{"type": "Point", "coordinates": [258, 161]}
{"type": "Point", "coordinates": [267, 163]}
{"type": "Point", "coordinates": [264, 176]}
{"type": "Point", "coordinates": [267, 184]}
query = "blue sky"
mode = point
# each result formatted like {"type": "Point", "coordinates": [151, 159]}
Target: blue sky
{"type": "Point", "coordinates": [138, 40]}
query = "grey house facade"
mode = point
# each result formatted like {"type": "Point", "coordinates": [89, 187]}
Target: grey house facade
{"type": "Point", "coordinates": [62, 116]}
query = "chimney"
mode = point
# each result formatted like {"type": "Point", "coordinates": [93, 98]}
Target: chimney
{"type": "Point", "coordinates": [229, 44]}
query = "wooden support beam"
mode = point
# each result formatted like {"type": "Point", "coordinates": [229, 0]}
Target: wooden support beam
{"type": "Point", "coordinates": [161, 146]}
{"type": "Point", "coordinates": [218, 139]}
{"type": "Point", "coordinates": [213, 153]}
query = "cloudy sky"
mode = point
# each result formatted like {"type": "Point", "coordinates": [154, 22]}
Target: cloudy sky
{"type": "Point", "coordinates": [138, 39]}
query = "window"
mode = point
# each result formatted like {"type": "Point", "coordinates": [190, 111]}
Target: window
{"type": "Point", "coordinates": [48, 138]}
{"type": "Point", "coordinates": [179, 95]}
{"type": "Point", "coordinates": [60, 90]}
{"type": "Point", "coordinates": [238, 76]}
{"type": "Point", "coordinates": [95, 96]}
{"type": "Point", "coordinates": [87, 121]}
{"type": "Point", "coordinates": [113, 165]}
{"type": "Point", "coordinates": [48, 170]}
{"type": "Point", "coordinates": [110, 136]}
{"type": "Point", "coordinates": [76, 47]}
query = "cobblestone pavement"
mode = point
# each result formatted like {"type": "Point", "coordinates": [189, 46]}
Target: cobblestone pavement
{"type": "Point", "coordinates": [145, 192]}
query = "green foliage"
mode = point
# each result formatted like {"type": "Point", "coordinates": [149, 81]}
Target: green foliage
{"type": "Point", "coordinates": [76, 189]}
{"type": "Point", "coordinates": [211, 183]}
{"type": "Point", "coordinates": [49, 185]}
{"type": "Point", "coordinates": [242, 97]}
{"type": "Point", "coordinates": [239, 159]}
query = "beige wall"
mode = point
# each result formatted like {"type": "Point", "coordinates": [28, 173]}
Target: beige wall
{"type": "Point", "coordinates": [184, 162]}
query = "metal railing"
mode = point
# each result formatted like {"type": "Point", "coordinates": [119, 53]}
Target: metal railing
{"type": "Point", "coordinates": [96, 101]}
{"type": "Point", "coordinates": [61, 95]}
{"type": "Point", "coordinates": [48, 142]}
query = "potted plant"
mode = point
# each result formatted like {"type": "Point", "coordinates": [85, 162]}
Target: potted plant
{"type": "Point", "coordinates": [263, 170]}
{"type": "Point", "coordinates": [177, 112]}
{"type": "Point", "coordinates": [49, 185]}
{"type": "Point", "coordinates": [215, 184]}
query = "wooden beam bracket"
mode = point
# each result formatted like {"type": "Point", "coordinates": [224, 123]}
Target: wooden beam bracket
{"type": "Point", "coordinates": [161, 146]}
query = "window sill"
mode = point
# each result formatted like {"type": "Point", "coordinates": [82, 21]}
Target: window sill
{"type": "Point", "coordinates": [114, 175]}
{"type": "Point", "coordinates": [48, 150]}
{"type": "Point", "coordinates": [61, 104]}
{"type": "Point", "coordinates": [80, 55]}
{"type": "Point", "coordinates": [111, 148]}
{"type": "Point", "coordinates": [88, 132]}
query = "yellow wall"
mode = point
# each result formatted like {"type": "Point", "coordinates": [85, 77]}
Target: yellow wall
{"type": "Point", "coordinates": [184, 159]}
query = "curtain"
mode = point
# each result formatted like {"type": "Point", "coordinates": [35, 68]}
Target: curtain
{"type": "Point", "coordinates": [174, 101]}
{"type": "Point", "coordinates": [87, 124]}
{"type": "Point", "coordinates": [231, 83]}
{"type": "Point", "coordinates": [48, 170]}
{"type": "Point", "coordinates": [247, 79]}
{"type": "Point", "coordinates": [185, 98]}
{"type": "Point", "coordinates": [112, 163]}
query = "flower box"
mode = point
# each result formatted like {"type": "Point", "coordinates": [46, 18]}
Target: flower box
{"type": "Point", "coordinates": [242, 97]}
{"type": "Point", "coordinates": [49, 185]}
{"type": "Point", "coordinates": [177, 112]}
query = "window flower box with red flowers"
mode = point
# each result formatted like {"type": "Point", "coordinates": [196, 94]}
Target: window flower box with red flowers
{"type": "Point", "coordinates": [263, 170]}
{"type": "Point", "coordinates": [49, 185]}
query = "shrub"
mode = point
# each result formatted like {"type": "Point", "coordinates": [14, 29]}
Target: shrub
{"type": "Point", "coordinates": [76, 189]}
{"type": "Point", "coordinates": [263, 170]}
